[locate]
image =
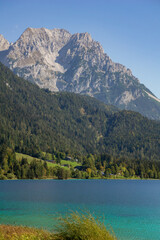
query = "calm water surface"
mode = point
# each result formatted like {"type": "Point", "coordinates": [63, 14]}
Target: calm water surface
{"type": "Point", "coordinates": [131, 207]}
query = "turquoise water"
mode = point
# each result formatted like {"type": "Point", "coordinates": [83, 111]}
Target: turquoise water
{"type": "Point", "coordinates": [130, 207]}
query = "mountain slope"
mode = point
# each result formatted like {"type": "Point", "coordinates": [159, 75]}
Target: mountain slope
{"type": "Point", "coordinates": [34, 120]}
{"type": "Point", "coordinates": [56, 60]}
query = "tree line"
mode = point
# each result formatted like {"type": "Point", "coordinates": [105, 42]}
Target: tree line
{"type": "Point", "coordinates": [92, 166]}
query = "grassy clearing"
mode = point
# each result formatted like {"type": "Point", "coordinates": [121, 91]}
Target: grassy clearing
{"type": "Point", "coordinates": [19, 157]}
{"type": "Point", "coordinates": [73, 164]}
{"type": "Point", "coordinates": [74, 227]}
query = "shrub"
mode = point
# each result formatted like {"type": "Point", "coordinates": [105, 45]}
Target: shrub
{"type": "Point", "coordinates": [11, 176]}
{"type": "Point", "coordinates": [82, 227]}
{"type": "Point", "coordinates": [3, 177]}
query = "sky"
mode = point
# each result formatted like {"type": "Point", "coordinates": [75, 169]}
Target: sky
{"type": "Point", "coordinates": [128, 30]}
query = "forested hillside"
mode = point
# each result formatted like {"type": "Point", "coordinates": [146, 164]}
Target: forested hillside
{"type": "Point", "coordinates": [35, 120]}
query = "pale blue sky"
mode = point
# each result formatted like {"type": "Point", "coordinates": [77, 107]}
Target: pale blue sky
{"type": "Point", "coordinates": [129, 30]}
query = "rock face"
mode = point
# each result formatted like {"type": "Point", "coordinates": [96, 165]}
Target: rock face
{"type": "Point", "coordinates": [56, 60]}
{"type": "Point", "coordinates": [4, 44]}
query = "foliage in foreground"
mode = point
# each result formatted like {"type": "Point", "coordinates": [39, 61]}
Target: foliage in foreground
{"type": "Point", "coordinates": [82, 227]}
{"type": "Point", "coordinates": [8, 232]}
{"type": "Point", "coordinates": [74, 227]}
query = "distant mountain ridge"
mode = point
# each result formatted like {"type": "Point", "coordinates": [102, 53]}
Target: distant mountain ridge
{"type": "Point", "coordinates": [59, 61]}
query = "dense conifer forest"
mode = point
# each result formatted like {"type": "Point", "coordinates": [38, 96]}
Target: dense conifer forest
{"type": "Point", "coordinates": [105, 140]}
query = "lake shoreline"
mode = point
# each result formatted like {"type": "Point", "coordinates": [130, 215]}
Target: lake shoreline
{"type": "Point", "coordinates": [56, 179]}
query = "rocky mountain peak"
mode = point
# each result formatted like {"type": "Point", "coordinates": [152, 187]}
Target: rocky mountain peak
{"type": "Point", "coordinates": [4, 44]}
{"type": "Point", "coordinates": [85, 40]}
{"type": "Point", "coordinates": [82, 37]}
{"type": "Point", "coordinates": [42, 37]}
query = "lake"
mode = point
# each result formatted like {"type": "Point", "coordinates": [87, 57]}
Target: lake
{"type": "Point", "coordinates": [130, 207]}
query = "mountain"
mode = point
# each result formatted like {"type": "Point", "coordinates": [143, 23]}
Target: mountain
{"type": "Point", "coordinates": [4, 44]}
{"type": "Point", "coordinates": [34, 120]}
{"type": "Point", "coordinates": [59, 61]}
